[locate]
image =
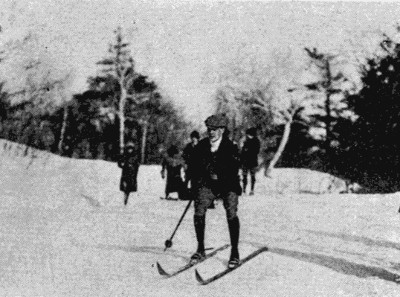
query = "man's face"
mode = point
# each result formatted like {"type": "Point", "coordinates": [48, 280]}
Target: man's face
{"type": "Point", "coordinates": [215, 133]}
{"type": "Point", "coordinates": [195, 141]}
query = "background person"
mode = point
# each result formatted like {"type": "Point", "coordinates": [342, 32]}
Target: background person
{"type": "Point", "coordinates": [188, 156]}
{"type": "Point", "coordinates": [172, 165]}
{"type": "Point", "coordinates": [249, 158]}
{"type": "Point", "coordinates": [129, 162]}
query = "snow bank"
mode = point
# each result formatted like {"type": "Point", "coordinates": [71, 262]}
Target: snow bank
{"type": "Point", "coordinates": [56, 178]}
{"type": "Point", "coordinates": [95, 181]}
{"type": "Point", "coordinates": [299, 180]}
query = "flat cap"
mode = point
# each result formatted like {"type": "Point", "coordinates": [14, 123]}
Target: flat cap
{"type": "Point", "coordinates": [251, 131]}
{"type": "Point", "coordinates": [195, 134]}
{"type": "Point", "coordinates": [217, 121]}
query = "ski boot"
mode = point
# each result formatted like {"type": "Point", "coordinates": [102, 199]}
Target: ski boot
{"type": "Point", "coordinates": [234, 261]}
{"type": "Point", "coordinates": [197, 257]}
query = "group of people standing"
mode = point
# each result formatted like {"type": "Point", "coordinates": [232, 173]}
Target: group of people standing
{"type": "Point", "coordinates": [211, 167]}
{"type": "Point", "coordinates": [174, 163]}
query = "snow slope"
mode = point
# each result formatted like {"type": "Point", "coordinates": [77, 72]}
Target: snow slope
{"type": "Point", "coordinates": [65, 232]}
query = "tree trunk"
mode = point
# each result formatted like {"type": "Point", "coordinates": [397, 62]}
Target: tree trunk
{"type": "Point", "coordinates": [328, 118]}
{"type": "Point", "coordinates": [121, 115]}
{"type": "Point", "coordinates": [145, 128]}
{"type": "Point", "coordinates": [63, 129]}
{"type": "Point", "coordinates": [281, 147]}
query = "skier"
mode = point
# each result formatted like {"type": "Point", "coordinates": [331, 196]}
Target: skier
{"type": "Point", "coordinates": [188, 155]}
{"type": "Point", "coordinates": [249, 158]}
{"type": "Point", "coordinates": [129, 162]}
{"type": "Point", "coordinates": [216, 175]}
{"type": "Point", "coordinates": [172, 164]}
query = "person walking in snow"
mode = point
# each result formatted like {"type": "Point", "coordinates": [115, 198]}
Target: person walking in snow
{"type": "Point", "coordinates": [172, 164]}
{"type": "Point", "coordinates": [249, 159]}
{"type": "Point", "coordinates": [129, 162]}
{"type": "Point", "coordinates": [188, 156]}
{"type": "Point", "coordinates": [216, 175]}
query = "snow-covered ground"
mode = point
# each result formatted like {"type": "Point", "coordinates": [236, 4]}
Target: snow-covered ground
{"type": "Point", "coordinates": [65, 232]}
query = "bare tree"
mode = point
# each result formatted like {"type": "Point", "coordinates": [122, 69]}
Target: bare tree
{"type": "Point", "coordinates": [287, 114]}
{"type": "Point", "coordinates": [228, 103]}
{"type": "Point", "coordinates": [63, 129]}
{"type": "Point", "coordinates": [66, 107]}
{"type": "Point", "coordinates": [268, 88]}
{"type": "Point", "coordinates": [35, 88]}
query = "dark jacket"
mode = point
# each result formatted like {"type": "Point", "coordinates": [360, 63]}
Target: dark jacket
{"type": "Point", "coordinates": [129, 163]}
{"type": "Point", "coordinates": [224, 163]}
{"type": "Point", "coordinates": [250, 151]}
{"type": "Point", "coordinates": [187, 156]}
{"type": "Point", "coordinates": [173, 166]}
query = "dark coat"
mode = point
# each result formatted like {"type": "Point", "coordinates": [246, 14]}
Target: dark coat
{"type": "Point", "coordinates": [187, 155]}
{"type": "Point", "coordinates": [249, 154]}
{"type": "Point", "coordinates": [129, 163]}
{"type": "Point", "coordinates": [226, 166]}
{"type": "Point", "coordinates": [173, 165]}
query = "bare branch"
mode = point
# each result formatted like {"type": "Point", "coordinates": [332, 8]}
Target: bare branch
{"type": "Point", "coordinates": [41, 89]}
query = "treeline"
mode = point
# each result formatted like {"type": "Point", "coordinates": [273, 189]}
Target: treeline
{"type": "Point", "coordinates": [325, 122]}
{"type": "Point", "coordinates": [313, 115]}
{"type": "Point", "coordinates": [361, 144]}
{"type": "Point", "coordinates": [88, 125]}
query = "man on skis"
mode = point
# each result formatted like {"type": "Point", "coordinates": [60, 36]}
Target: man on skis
{"type": "Point", "coordinates": [216, 174]}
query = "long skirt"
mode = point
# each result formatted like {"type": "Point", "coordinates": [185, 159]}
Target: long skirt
{"type": "Point", "coordinates": [128, 181]}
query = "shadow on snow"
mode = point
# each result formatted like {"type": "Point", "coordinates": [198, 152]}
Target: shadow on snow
{"type": "Point", "coordinates": [360, 239]}
{"type": "Point", "coordinates": [340, 265]}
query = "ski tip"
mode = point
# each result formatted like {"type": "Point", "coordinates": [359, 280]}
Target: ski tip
{"type": "Point", "coordinates": [198, 277]}
{"type": "Point", "coordinates": [161, 270]}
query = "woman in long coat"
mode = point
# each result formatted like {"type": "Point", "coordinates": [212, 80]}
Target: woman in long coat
{"type": "Point", "coordinates": [173, 164]}
{"type": "Point", "coordinates": [129, 162]}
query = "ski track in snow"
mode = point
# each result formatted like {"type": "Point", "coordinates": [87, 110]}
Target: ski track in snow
{"type": "Point", "coordinates": [65, 232]}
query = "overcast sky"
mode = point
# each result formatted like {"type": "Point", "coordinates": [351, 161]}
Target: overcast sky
{"type": "Point", "coordinates": [179, 43]}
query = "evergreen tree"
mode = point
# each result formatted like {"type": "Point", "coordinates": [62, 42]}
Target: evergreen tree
{"type": "Point", "coordinates": [375, 150]}
{"type": "Point", "coordinates": [329, 91]}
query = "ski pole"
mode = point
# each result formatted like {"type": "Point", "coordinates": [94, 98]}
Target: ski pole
{"type": "Point", "coordinates": [168, 242]}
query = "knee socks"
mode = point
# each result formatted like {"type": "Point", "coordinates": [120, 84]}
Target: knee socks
{"type": "Point", "coordinates": [234, 227]}
{"type": "Point", "coordinates": [199, 226]}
